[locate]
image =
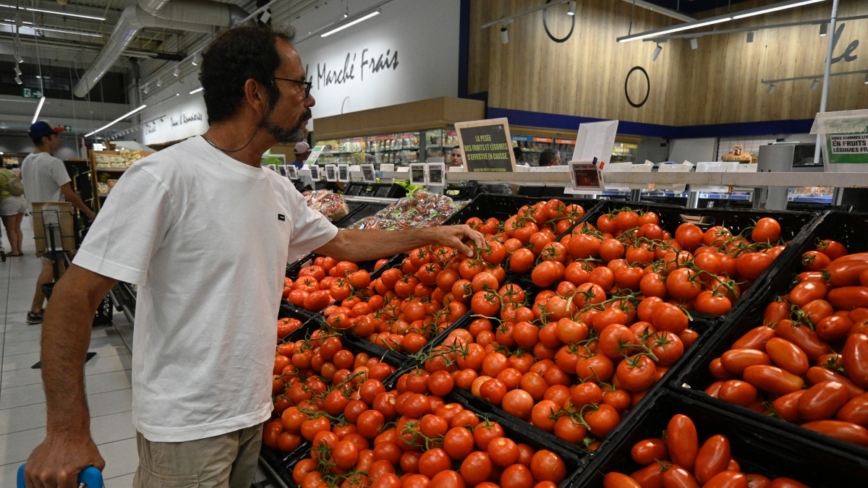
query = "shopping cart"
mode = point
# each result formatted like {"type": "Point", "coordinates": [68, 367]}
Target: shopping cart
{"type": "Point", "coordinates": [89, 477]}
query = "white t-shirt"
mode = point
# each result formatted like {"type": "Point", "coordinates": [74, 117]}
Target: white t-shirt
{"type": "Point", "coordinates": [206, 238]}
{"type": "Point", "coordinates": [43, 175]}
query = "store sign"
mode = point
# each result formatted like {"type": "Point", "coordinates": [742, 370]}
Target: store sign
{"type": "Point", "coordinates": [186, 119]}
{"type": "Point", "coordinates": [847, 55]}
{"type": "Point", "coordinates": [354, 65]}
{"type": "Point", "coordinates": [848, 148]}
{"type": "Point", "coordinates": [31, 93]}
{"type": "Point", "coordinates": [407, 53]}
{"type": "Point", "coordinates": [174, 121]}
{"type": "Point", "coordinates": [486, 145]}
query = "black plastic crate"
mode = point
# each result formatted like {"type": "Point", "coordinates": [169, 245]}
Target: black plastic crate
{"type": "Point", "coordinates": [759, 448]}
{"type": "Point", "coordinates": [278, 460]}
{"type": "Point", "coordinates": [460, 193]}
{"type": "Point", "coordinates": [360, 210]}
{"type": "Point", "coordinates": [850, 230]}
{"type": "Point", "coordinates": [574, 461]}
{"type": "Point", "coordinates": [671, 216]}
{"type": "Point", "coordinates": [382, 190]}
{"type": "Point", "coordinates": [705, 328]}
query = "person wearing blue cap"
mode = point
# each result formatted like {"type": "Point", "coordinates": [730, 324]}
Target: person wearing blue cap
{"type": "Point", "coordinates": [46, 180]}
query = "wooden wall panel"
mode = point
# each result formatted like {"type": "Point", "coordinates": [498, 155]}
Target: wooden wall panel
{"type": "Point", "coordinates": [477, 59]}
{"type": "Point", "coordinates": [720, 82]}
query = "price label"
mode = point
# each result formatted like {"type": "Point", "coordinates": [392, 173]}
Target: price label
{"type": "Point", "coordinates": [585, 175]}
{"type": "Point", "coordinates": [331, 173]}
{"type": "Point", "coordinates": [368, 173]}
{"type": "Point", "coordinates": [418, 174]}
{"type": "Point", "coordinates": [343, 172]}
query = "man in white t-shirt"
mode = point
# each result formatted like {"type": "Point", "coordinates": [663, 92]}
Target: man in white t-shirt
{"type": "Point", "coordinates": [46, 180]}
{"type": "Point", "coordinates": [205, 232]}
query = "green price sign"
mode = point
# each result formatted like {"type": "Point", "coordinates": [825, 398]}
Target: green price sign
{"type": "Point", "coordinates": [31, 93]}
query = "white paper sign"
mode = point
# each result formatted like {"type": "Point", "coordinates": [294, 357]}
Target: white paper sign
{"type": "Point", "coordinates": [595, 140]}
{"type": "Point", "coordinates": [314, 154]}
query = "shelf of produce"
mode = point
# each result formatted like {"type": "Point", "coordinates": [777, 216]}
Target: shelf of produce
{"type": "Point", "coordinates": [573, 461]}
{"type": "Point", "coordinates": [704, 325]}
{"type": "Point", "coordinates": [277, 460]}
{"type": "Point", "coordinates": [693, 380]}
{"type": "Point", "coordinates": [759, 448]}
{"type": "Point", "coordinates": [737, 221]}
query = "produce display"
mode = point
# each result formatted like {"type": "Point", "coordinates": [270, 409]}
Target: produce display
{"type": "Point", "coordinates": [123, 158]}
{"type": "Point", "coordinates": [680, 460]}
{"type": "Point", "coordinates": [421, 209]}
{"type": "Point", "coordinates": [327, 203]}
{"type": "Point", "coordinates": [545, 359]}
{"type": "Point", "coordinates": [409, 436]}
{"type": "Point", "coordinates": [314, 380]}
{"type": "Point", "coordinates": [807, 362]}
{"type": "Point", "coordinates": [698, 270]}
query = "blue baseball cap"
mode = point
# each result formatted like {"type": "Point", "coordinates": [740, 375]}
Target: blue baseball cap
{"type": "Point", "coordinates": [41, 128]}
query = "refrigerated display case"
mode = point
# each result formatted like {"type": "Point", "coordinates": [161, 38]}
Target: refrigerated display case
{"type": "Point", "coordinates": [533, 141]}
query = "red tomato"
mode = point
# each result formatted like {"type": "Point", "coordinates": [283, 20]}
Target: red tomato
{"type": "Point", "coordinates": [766, 230]}
{"type": "Point", "coordinates": [682, 441]}
{"type": "Point", "coordinates": [713, 458]}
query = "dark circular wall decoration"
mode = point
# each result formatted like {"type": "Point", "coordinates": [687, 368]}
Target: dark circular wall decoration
{"type": "Point", "coordinates": [548, 32]}
{"type": "Point", "coordinates": [647, 84]}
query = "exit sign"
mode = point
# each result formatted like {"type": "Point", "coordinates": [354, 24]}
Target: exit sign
{"type": "Point", "coordinates": [31, 93]}
{"type": "Point", "coordinates": [67, 128]}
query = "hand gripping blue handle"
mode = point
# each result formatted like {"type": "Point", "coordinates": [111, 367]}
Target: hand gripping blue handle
{"type": "Point", "coordinates": [90, 476]}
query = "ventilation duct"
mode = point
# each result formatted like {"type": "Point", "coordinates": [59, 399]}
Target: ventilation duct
{"type": "Point", "coordinates": [185, 15]}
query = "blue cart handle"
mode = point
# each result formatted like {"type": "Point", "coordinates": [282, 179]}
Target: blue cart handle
{"type": "Point", "coordinates": [89, 477]}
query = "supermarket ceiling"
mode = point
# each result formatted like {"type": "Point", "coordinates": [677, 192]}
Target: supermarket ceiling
{"type": "Point", "coordinates": [696, 6]}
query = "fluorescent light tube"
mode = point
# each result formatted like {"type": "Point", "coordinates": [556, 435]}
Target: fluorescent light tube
{"type": "Point", "coordinates": [197, 90]}
{"type": "Point", "coordinates": [65, 14]}
{"type": "Point", "coordinates": [63, 31]}
{"type": "Point", "coordinates": [774, 8]}
{"type": "Point", "coordinates": [38, 109]}
{"type": "Point", "coordinates": [352, 23]}
{"type": "Point", "coordinates": [677, 28]}
{"type": "Point", "coordinates": [115, 121]}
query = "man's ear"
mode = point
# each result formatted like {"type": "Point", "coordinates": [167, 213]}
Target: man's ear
{"type": "Point", "coordinates": [256, 95]}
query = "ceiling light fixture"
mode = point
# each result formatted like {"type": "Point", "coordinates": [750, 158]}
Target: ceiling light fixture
{"type": "Point", "coordinates": [18, 80]}
{"type": "Point", "coordinates": [352, 22]}
{"type": "Point", "coordinates": [159, 82]}
{"type": "Point", "coordinates": [197, 58]}
{"type": "Point", "coordinates": [572, 9]}
{"type": "Point", "coordinates": [866, 78]}
{"type": "Point", "coordinates": [773, 8]}
{"type": "Point", "coordinates": [265, 17]}
{"type": "Point", "coordinates": [814, 84]}
{"type": "Point", "coordinates": [38, 109]}
{"type": "Point", "coordinates": [145, 89]}
{"type": "Point", "coordinates": [656, 53]}
{"type": "Point", "coordinates": [17, 70]}
{"type": "Point", "coordinates": [197, 90]}
{"type": "Point", "coordinates": [694, 43]}
{"type": "Point", "coordinates": [677, 28]}
{"type": "Point", "coordinates": [65, 14]}
{"type": "Point", "coordinates": [177, 72]}
{"type": "Point", "coordinates": [824, 29]}
{"type": "Point", "coordinates": [64, 31]}
{"type": "Point", "coordinates": [771, 88]}
{"type": "Point", "coordinates": [504, 35]}
{"type": "Point", "coordinates": [750, 37]}
{"type": "Point", "coordinates": [18, 57]}
{"type": "Point", "coordinates": [717, 20]}
{"type": "Point", "coordinates": [115, 121]}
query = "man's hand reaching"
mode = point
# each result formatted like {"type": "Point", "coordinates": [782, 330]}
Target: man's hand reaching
{"type": "Point", "coordinates": [458, 236]}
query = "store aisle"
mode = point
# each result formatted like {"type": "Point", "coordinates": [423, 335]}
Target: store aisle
{"type": "Point", "coordinates": [22, 400]}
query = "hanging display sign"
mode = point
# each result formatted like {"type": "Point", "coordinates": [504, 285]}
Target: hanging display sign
{"type": "Point", "coordinates": [595, 140]}
{"type": "Point", "coordinates": [486, 145]}
{"type": "Point", "coordinates": [845, 140]}
{"type": "Point", "coordinates": [314, 154]}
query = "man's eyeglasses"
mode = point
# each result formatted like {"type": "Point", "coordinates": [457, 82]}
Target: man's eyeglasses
{"type": "Point", "coordinates": [307, 84]}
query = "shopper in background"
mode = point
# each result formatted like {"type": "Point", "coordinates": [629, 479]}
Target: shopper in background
{"type": "Point", "coordinates": [205, 232]}
{"type": "Point", "coordinates": [455, 158]}
{"type": "Point", "coordinates": [46, 180]}
{"type": "Point", "coordinates": [302, 152]}
{"type": "Point", "coordinates": [550, 157]}
{"type": "Point", "coordinates": [12, 208]}
{"type": "Point", "coordinates": [516, 151]}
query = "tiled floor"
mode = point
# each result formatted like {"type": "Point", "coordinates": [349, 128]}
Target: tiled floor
{"type": "Point", "coordinates": [22, 400]}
